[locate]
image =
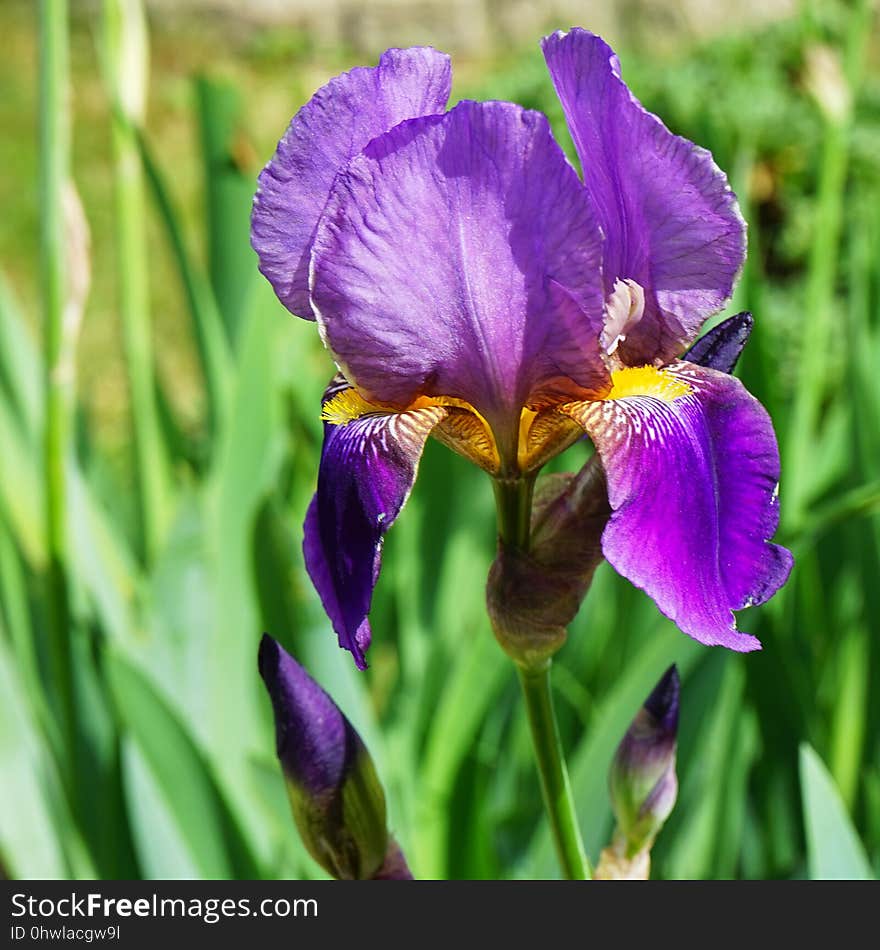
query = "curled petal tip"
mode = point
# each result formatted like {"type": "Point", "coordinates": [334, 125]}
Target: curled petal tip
{"type": "Point", "coordinates": [721, 347]}
{"type": "Point", "coordinates": [663, 702]}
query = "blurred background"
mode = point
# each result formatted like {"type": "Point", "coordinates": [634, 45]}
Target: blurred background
{"type": "Point", "coordinates": [160, 433]}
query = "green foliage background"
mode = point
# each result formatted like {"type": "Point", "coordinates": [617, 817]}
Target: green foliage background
{"type": "Point", "coordinates": [135, 738]}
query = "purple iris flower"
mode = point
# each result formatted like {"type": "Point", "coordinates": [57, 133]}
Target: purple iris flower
{"type": "Point", "coordinates": [472, 287]}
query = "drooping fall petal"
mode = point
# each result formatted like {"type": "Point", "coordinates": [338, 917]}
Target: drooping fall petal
{"type": "Point", "coordinates": [693, 469]}
{"type": "Point", "coordinates": [368, 466]}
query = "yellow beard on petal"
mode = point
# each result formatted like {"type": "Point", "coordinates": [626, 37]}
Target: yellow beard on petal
{"type": "Point", "coordinates": [646, 381]}
{"type": "Point", "coordinates": [464, 430]}
{"type": "Point", "coordinates": [543, 433]}
{"type": "Point", "coordinates": [348, 405]}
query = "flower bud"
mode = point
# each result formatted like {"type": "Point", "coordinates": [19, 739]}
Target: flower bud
{"type": "Point", "coordinates": [532, 596]}
{"type": "Point", "coordinates": [643, 783]}
{"type": "Point", "coordinates": [336, 797]}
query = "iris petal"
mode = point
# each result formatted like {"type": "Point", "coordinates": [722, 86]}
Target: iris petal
{"type": "Point", "coordinates": [671, 222]}
{"type": "Point", "coordinates": [368, 467]}
{"type": "Point", "coordinates": [458, 257]}
{"type": "Point", "coordinates": [692, 482]}
{"type": "Point", "coordinates": [329, 130]}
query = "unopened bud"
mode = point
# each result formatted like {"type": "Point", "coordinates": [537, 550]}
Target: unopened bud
{"type": "Point", "coordinates": [336, 797]}
{"type": "Point", "coordinates": [532, 596]}
{"type": "Point", "coordinates": [642, 782]}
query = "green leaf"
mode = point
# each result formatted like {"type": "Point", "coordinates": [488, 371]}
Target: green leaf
{"type": "Point", "coordinates": [20, 497]}
{"type": "Point", "coordinates": [246, 464]}
{"type": "Point", "coordinates": [211, 341]}
{"type": "Point", "coordinates": [229, 194]}
{"type": "Point", "coordinates": [164, 853]}
{"type": "Point", "coordinates": [20, 363]}
{"type": "Point", "coordinates": [181, 789]}
{"type": "Point", "coordinates": [474, 683]}
{"type": "Point", "coordinates": [833, 848]}
{"type": "Point", "coordinates": [712, 709]}
{"type": "Point", "coordinates": [30, 842]}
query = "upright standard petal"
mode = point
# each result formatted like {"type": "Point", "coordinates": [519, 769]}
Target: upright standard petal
{"type": "Point", "coordinates": [672, 225]}
{"type": "Point", "coordinates": [458, 257]}
{"type": "Point", "coordinates": [368, 466]}
{"type": "Point", "coordinates": [693, 470]}
{"type": "Point", "coordinates": [328, 131]}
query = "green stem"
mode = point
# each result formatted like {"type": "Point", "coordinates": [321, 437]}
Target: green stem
{"type": "Point", "coordinates": [211, 340]}
{"type": "Point", "coordinates": [125, 52]}
{"type": "Point", "coordinates": [818, 324]}
{"type": "Point", "coordinates": [54, 176]}
{"type": "Point", "coordinates": [513, 500]}
{"type": "Point", "coordinates": [555, 785]}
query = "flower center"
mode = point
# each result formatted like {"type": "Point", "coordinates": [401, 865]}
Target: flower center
{"type": "Point", "coordinates": [542, 434]}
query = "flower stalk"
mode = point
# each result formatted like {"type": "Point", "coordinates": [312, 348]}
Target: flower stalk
{"type": "Point", "coordinates": [54, 190]}
{"type": "Point", "coordinates": [125, 63]}
{"type": "Point", "coordinates": [513, 502]}
{"type": "Point", "coordinates": [555, 785]}
{"type": "Point", "coordinates": [514, 506]}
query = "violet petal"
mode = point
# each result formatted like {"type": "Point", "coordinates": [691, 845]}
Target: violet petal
{"type": "Point", "coordinates": [458, 256]}
{"type": "Point", "coordinates": [670, 219]}
{"type": "Point", "coordinates": [367, 470]}
{"type": "Point", "coordinates": [328, 131]}
{"type": "Point", "coordinates": [692, 484]}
